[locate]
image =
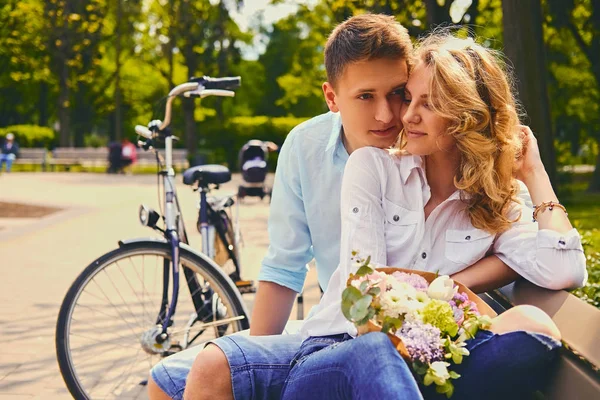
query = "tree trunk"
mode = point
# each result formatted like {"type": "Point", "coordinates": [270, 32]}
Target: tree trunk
{"type": "Point", "coordinates": [524, 46]}
{"type": "Point", "coordinates": [191, 141]}
{"type": "Point", "coordinates": [64, 119]}
{"type": "Point", "coordinates": [437, 14]}
{"type": "Point", "coordinates": [43, 104]}
{"type": "Point", "coordinates": [118, 97]}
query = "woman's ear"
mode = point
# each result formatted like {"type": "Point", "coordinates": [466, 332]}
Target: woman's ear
{"type": "Point", "coordinates": [330, 97]}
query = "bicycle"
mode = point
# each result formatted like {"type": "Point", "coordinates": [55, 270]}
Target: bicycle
{"type": "Point", "coordinates": [99, 358]}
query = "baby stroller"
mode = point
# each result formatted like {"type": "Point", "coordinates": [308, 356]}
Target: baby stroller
{"type": "Point", "coordinates": [253, 164]}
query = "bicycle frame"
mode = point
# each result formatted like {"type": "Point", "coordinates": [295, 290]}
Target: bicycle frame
{"type": "Point", "coordinates": [171, 206]}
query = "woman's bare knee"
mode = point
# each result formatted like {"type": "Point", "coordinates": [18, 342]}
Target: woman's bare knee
{"type": "Point", "coordinates": [210, 376]}
{"type": "Point", "coordinates": [525, 318]}
{"type": "Point", "coordinates": [155, 392]}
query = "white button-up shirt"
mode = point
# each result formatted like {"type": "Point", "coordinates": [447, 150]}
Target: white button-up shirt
{"type": "Point", "coordinates": [382, 211]}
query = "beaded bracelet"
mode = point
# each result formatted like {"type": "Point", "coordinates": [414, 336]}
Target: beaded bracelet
{"type": "Point", "coordinates": [549, 205]}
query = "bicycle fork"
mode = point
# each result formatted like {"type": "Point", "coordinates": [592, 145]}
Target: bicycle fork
{"type": "Point", "coordinates": [172, 236]}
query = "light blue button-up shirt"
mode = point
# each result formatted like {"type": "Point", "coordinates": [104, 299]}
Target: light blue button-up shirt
{"type": "Point", "coordinates": [304, 221]}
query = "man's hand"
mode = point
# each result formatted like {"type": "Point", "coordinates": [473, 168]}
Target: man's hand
{"type": "Point", "coordinates": [272, 308]}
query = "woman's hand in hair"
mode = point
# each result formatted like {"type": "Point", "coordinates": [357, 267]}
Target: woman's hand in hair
{"type": "Point", "coordinates": [529, 161]}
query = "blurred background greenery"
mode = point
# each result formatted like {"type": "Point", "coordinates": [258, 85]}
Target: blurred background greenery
{"type": "Point", "coordinates": [84, 72]}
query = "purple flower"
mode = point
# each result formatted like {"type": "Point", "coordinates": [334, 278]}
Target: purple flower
{"type": "Point", "coordinates": [416, 281]}
{"type": "Point", "coordinates": [460, 298]}
{"type": "Point", "coordinates": [422, 341]}
{"type": "Point", "coordinates": [459, 314]}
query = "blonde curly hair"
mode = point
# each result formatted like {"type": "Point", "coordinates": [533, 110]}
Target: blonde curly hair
{"type": "Point", "coordinates": [471, 88]}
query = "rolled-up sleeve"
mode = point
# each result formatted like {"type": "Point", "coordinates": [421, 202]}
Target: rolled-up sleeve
{"type": "Point", "coordinates": [290, 244]}
{"type": "Point", "coordinates": [545, 257]}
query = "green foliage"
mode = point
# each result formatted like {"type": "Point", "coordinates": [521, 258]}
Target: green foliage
{"type": "Point", "coordinates": [584, 213]}
{"type": "Point", "coordinates": [590, 293]}
{"type": "Point", "coordinates": [30, 135]}
{"type": "Point", "coordinates": [239, 130]}
{"type": "Point", "coordinates": [95, 140]}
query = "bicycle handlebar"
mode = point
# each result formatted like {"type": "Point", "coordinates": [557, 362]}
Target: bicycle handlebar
{"type": "Point", "coordinates": [209, 92]}
{"type": "Point", "coordinates": [143, 131]}
{"type": "Point", "coordinates": [225, 83]}
{"type": "Point", "coordinates": [197, 87]}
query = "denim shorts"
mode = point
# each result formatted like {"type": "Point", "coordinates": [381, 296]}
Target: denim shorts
{"type": "Point", "coordinates": [259, 365]}
{"type": "Point", "coordinates": [509, 364]}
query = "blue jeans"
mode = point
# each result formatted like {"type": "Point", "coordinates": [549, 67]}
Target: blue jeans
{"type": "Point", "coordinates": [259, 365]}
{"type": "Point", "coordinates": [8, 158]}
{"type": "Point", "coordinates": [504, 366]}
{"type": "Point", "coordinates": [339, 367]}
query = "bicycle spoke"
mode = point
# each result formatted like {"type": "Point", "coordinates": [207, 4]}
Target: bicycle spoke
{"type": "Point", "coordinates": [121, 296]}
{"type": "Point", "coordinates": [113, 312]}
{"type": "Point", "coordinates": [132, 289]}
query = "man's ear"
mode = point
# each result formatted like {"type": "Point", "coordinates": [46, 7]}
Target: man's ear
{"type": "Point", "coordinates": [330, 97]}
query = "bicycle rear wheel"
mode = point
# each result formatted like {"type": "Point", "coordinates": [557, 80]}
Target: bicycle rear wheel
{"type": "Point", "coordinates": [108, 319]}
{"type": "Point", "coordinates": [223, 257]}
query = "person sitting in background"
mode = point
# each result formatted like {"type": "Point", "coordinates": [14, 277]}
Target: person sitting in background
{"type": "Point", "coordinates": [10, 151]}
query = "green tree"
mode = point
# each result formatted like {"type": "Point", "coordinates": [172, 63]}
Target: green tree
{"type": "Point", "coordinates": [73, 30]}
{"type": "Point", "coordinates": [576, 68]}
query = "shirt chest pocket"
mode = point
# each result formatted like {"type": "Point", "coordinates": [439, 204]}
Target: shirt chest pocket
{"type": "Point", "coordinates": [400, 223]}
{"type": "Point", "coordinates": [467, 246]}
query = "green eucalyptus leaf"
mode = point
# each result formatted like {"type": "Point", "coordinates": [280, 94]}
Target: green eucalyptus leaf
{"type": "Point", "coordinates": [364, 270]}
{"type": "Point", "coordinates": [366, 319]}
{"type": "Point", "coordinates": [364, 285]}
{"type": "Point", "coordinates": [360, 309]}
{"type": "Point", "coordinates": [350, 296]}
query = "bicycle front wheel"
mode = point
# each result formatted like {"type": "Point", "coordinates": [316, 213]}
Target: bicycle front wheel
{"type": "Point", "coordinates": [111, 315]}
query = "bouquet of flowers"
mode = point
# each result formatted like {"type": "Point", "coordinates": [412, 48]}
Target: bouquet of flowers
{"type": "Point", "coordinates": [427, 317]}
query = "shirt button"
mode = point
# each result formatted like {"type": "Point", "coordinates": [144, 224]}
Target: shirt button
{"type": "Point", "coordinates": [396, 218]}
{"type": "Point", "coordinates": [423, 255]}
{"type": "Point", "coordinates": [468, 238]}
{"type": "Point", "coordinates": [355, 210]}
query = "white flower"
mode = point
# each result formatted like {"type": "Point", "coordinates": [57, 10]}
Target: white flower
{"type": "Point", "coordinates": [440, 369]}
{"type": "Point", "coordinates": [442, 288]}
{"type": "Point", "coordinates": [399, 299]}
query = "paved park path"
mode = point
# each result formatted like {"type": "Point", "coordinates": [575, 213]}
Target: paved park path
{"type": "Point", "coordinates": [40, 258]}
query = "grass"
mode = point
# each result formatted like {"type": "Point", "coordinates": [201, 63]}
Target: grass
{"type": "Point", "coordinates": [584, 213]}
{"type": "Point", "coordinates": [136, 169]}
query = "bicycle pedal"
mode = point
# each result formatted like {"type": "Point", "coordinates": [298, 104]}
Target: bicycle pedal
{"type": "Point", "coordinates": [245, 287]}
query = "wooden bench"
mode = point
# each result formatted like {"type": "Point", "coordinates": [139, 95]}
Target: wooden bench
{"type": "Point", "coordinates": [67, 157]}
{"type": "Point", "coordinates": [576, 375]}
{"type": "Point", "coordinates": [88, 157]}
{"type": "Point", "coordinates": [33, 157]}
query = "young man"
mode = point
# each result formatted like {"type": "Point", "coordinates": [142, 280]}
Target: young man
{"type": "Point", "coordinates": [367, 62]}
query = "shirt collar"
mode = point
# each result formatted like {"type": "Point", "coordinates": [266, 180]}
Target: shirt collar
{"type": "Point", "coordinates": [412, 162]}
{"type": "Point", "coordinates": [416, 162]}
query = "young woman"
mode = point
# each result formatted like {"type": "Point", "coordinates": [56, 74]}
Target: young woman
{"type": "Point", "coordinates": [443, 200]}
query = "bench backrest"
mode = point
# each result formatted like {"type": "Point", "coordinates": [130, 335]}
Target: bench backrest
{"type": "Point", "coordinates": [32, 152]}
{"type": "Point", "coordinates": [101, 153]}
{"type": "Point", "coordinates": [178, 155]}
{"type": "Point", "coordinates": [80, 153]}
